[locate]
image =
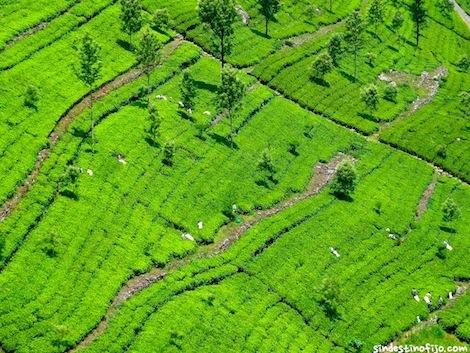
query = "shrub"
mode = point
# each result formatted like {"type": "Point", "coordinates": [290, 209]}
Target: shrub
{"type": "Point", "coordinates": [450, 211]}
{"type": "Point", "coordinates": [168, 153]}
{"type": "Point", "coordinates": [464, 63]}
{"type": "Point", "coordinates": [330, 297]}
{"type": "Point", "coordinates": [31, 97]}
{"type": "Point", "coordinates": [322, 65]}
{"type": "Point", "coordinates": [370, 97]}
{"type": "Point", "coordinates": [390, 93]}
{"type": "Point", "coordinates": [161, 19]}
{"type": "Point", "coordinates": [345, 180]}
{"type": "Point", "coordinates": [370, 58]}
{"type": "Point", "coordinates": [294, 148]}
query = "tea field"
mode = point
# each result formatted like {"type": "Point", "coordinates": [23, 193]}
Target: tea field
{"type": "Point", "coordinates": [176, 181]}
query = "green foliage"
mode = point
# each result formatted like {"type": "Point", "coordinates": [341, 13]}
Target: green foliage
{"type": "Point", "coordinates": [266, 167]}
{"type": "Point", "coordinates": [354, 35]}
{"type": "Point", "coordinates": [90, 64]}
{"type": "Point", "coordinates": [370, 58]}
{"type": "Point", "coordinates": [131, 17]}
{"type": "Point", "coordinates": [376, 12]}
{"type": "Point", "coordinates": [335, 48]}
{"type": "Point", "coordinates": [450, 211]}
{"type": "Point", "coordinates": [230, 93]}
{"type": "Point", "coordinates": [330, 294]}
{"type": "Point", "coordinates": [155, 122]}
{"type": "Point", "coordinates": [2, 247]}
{"type": "Point", "coordinates": [345, 180]}
{"type": "Point", "coordinates": [419, 16]}
{"type": "Point", "coordinates": [354, 346]}
{"type": "Point", "coordinates": [464, 63]}
{"type": "Point", "coordinates": [294, 148]}
{"type": "Point", "coordinates": [397, 21]}
{"type": "Point", "coordinates": [169, 150]}
{"type": "Point", "coordinates": [322, 65]}
{"type": "Point", "coordinates": [148, 54]}
{"type": "Point", "coordinates": [31, 97]}
{"type": "Point", "coordinates": [51, 245]}
{"type": "Point", "coordinates": [161, 19]}
{"type": "Point", "coordinates": [465, 102]}
{"type": "Point", "coordinates": [390, 93]}
{"type": "Point", "coordinates": [268, 9]}
{"type": "Point", "coordinates": [445, 6]}
{"type": "Point", "coordinates": [219, 16]}
{"type": "Point", "coordinates": [69, 177]}
{"type": "Point", "coordinates": [370, 96]}
{"type": "Point", "coordinates": [188, 91]}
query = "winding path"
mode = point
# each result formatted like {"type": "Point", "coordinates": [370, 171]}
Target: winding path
{"type": "Point", "coordinates": [322, 175]}
{"type": "Point", "coordinates": [465, 17]}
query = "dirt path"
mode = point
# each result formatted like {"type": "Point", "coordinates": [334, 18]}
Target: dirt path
{"type": "Point", "coordinates": [64, 122]}
{"type": "Point", "coordinates": [434, 317]}
{"type": "Point", "coordinates": [423, 203]}
{"type": "Point", "coordinates": [322, 175]}
{"type": "Point", "coordinates": [428, 82]}
{"type": "Point", "coordinates": [465, 17]}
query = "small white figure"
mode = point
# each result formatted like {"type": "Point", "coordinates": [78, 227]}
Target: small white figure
{"type": "Point", "coordinates": [199, 225]}
{"type": "Point", "coordinates": [121, 159]}
{"type": "Point", "coordinates": [448, 247]}
{"type": "Point", "coordinates": [161, 96]}
{"type": "Point", "coordinates": [451, 296]}
{"type": "Point", "coordinates": [181, 104]}
{"type": "Point", "coordinates": [427, 298]}
{"type": "Point", "coordinates": [90, 172]}
{"type": "Point", "coordinates": [334, 252]}
{"type": "Point", "coordinates": [208, 113]}
{"type": "Point", "coordinates": [418, 319]}
{"type": "Point", "coordinates": [187, 236]}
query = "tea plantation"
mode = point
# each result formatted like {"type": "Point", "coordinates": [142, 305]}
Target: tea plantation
{"type": "Point", "coordinates": [234, 176]}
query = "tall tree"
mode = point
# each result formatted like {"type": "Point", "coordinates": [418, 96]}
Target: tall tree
{"type": "Point", "coordinates": [188, 91]}
{"type": "Point", "coordinates": [230, 94]}
{"type": "Point", "coordinates": [376, 13]}
{"type": "Point", "coordinates": [155, 122]}
{"type": "Point", "coordinates": [354, 36]}
{"type": "Point", "coordinates": [268, 8]}
{"type": "Point", "coordinates": [335, 48]}
{"type": "Point", "coordinates": [131, 17]}
{"type": "Point", "coordinates": [89, 70]}
{"type": "Point", "coordinates": [219, 15]}
{"type": "Point", "coordinates": [418, 13]}
{"type": "Point", "coordinates": [148, 55]}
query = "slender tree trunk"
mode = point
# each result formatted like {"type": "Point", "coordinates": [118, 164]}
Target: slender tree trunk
{"type": "Point", "coordinates": [231, 127]}
{"type": "Point", "coordinates": [417, 34]}
{"type": "Point", "coordinates": [266, 25]}
{"type": "Point", "coordinates": [148, 89]}
{"type": "Point", "coordinates": [92, 124]}
{"type": "Point", "coordinates": [355, 64]}
{"type": "Point", "coordinates": [222, 51]}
